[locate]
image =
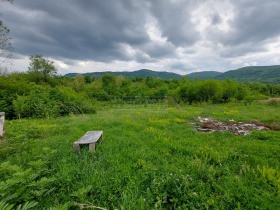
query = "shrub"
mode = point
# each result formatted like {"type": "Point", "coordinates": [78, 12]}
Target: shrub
{"type": "Point", "coordinates": [71, 102]}
{"type": "Point", "coordinates": [39, 103]}
{"type": "Point", "coordinates": [44, 101]}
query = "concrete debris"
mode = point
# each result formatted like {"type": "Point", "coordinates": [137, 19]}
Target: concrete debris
{"type": "Point", "coordinates": [242, 129]}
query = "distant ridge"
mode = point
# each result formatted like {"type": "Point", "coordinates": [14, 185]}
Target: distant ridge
{"type": "Point", "coordinates": [139, 73]}
{"type": "Point", "coordinates": [263, 74]}
{"type": "Point", "coordinates": [204, 75]}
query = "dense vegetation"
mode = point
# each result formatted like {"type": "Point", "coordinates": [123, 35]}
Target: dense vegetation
{"type": "Point", "coordinates": [41, 93]}
{"type": "Point", "coordinates": [143, 73]}
{"type": "Point", "coordinates": [150, 158]}
{"type": "Point", "coordinates": [204, 75]}
{"type": "Point", "coordinates": [263, 74]}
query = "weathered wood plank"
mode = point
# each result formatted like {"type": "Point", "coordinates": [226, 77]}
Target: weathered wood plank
{"type": "Point", "coordinates": [2, 119]}
{"type": "Point", "coordinates": [90, 138]}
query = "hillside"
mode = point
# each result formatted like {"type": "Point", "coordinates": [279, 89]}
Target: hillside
{"type": "Point", "coordinates": [264, 74]}
{"type": "Point", "coordinates": [204, 75]}
{"type": "Point", "coordinates": [150, 73]}
{"type": "Point", "coordinates": [140, 73]}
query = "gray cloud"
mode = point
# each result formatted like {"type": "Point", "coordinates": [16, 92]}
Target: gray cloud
{"type": "Point", "coordinates": [251, 28]}
{"type": "Point", "coordinates": [175, 22]}
{"type": "Point", "coordinates": [108, 31]}
{"type": "Point", "coordinates": [159, 50]}
{"type": "Point", "coordinates": [242, 49]}
{"type": "Point", "coordinates": [76, 30]}
{"type": "Point", "coordinates": [216, 19]}
{"type": "Point", "coordinates": [182, 67]}
{"type": "Point", "coordinates": [255, 22]}
{"type": "Point", "coordinates": [94, 29]}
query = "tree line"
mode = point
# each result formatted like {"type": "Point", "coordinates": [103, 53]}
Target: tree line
{"type": "Point", "coordinates": [41, 92]}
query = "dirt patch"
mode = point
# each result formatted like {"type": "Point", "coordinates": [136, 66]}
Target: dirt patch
{"type": "Point", "coordinates": [237, 128]}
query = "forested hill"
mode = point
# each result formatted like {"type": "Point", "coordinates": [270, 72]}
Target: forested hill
{"type": "Point", "coordinates": [264, 74]}
{"type": "Point", "coordinates": [140, 73]}
{"type": "Point", "coordinates": [204, 75]}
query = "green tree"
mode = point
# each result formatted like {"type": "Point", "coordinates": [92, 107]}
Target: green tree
{"type": "Point", "coordinates": [242, 92]}
{"type": "Point", "coordinates": [109, 84]}
{"type": "Point", "coordinates": [41, 68]}
{"type": "Point", "coordinates": [11, 86]}
{"type": "Point", "coordinates": [39, 103]}
{"type": "Point", "coordinates": [189, 92]}
{"type": "Point", "coordinates": [95, 90]}
{"type": "Point", "coordinates": [208, 89]}
{"type": "Point", "coordinates": [79, 83]}
{"type": "Point", "coordinates": [229, 90]}
{"type": "Point", "coordinates": [88, 79]}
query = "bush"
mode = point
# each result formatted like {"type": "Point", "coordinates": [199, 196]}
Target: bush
{"type": "Point", "coordinates": [39, 103]}
{"type": "Point", "coordinates": [44, 101]}
{"type": "Point", "coordinates": [71, 102]}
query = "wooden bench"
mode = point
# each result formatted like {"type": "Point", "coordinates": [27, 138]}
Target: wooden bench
{"type": "Point", "coordinates": [90, 138]}
{"type": "Point", "coordinates": [2, 119]}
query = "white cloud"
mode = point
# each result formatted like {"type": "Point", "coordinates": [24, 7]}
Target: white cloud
{"type": "Point", "coordinates": [154, 31]}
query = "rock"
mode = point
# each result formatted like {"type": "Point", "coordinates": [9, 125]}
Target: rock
{"type": "Point", "coordinates": [210, 125]}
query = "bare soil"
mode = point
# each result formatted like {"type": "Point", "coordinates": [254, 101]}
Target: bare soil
{"type": "Point", "coordinates": [237, 128]}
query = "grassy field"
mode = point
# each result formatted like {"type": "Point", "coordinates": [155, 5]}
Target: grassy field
{"type": "Point", "coordinates": [150, 158]}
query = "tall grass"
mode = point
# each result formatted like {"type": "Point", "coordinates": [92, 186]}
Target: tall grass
{"type": "Point", "coordinates": [150, 158]}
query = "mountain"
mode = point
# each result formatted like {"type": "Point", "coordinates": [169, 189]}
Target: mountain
{"type": "Point", "coordinates": [264, 74]}
{"type": "Point", "coordinates": [140, 73]}
{"type": "Point", "coordinates": [204, 75]}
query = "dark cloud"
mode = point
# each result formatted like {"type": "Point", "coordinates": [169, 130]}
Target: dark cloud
{"type": "Point", "coordinates": [216, 19]}
{"type": "Point", "coordinates": [181, 67]}
{"type": "Point", "coordinates": [77, 30]}
{"type": "Point", "coordinates": [251, 27]}
{"type": "Point", "coordinates": [94, 29]}
{"type": "Point", "coordinates": [118, 30]}
{"type": "Point", "coordinates": [159, 50]}
{"type": "Point", "coordinates": [255, 22]}
{"type": "Point", "coordinates": [241, 49]}
{"type": "Point", "coordinates": [174, 18]}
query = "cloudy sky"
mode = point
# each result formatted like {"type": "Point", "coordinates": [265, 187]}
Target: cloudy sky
{"type": "Point", "coordinates": [180, 36]}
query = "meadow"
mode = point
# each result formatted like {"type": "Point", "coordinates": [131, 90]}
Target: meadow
{"type": "Point", "coordinates": [150, 158]}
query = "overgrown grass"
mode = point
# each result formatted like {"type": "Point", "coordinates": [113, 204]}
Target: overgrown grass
{"type": "Point", "coordinates": [150, 158]}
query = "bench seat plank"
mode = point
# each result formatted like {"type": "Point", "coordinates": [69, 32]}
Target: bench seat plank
{"type": "Point", "coordinates": [90, 138]}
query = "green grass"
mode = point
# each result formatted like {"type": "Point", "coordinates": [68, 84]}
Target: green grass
{"type": "Point", "coordinates": [149, 159]}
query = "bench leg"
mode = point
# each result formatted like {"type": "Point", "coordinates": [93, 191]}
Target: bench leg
{"type": "Point", "coordinates": [91, 147]}
{"type": "Point", "coordinates": [76, 147]}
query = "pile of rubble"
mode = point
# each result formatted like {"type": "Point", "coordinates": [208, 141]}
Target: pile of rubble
{"type": "Point", "coordinates": [237, 128]}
